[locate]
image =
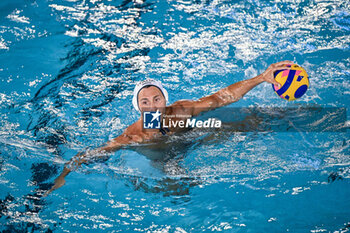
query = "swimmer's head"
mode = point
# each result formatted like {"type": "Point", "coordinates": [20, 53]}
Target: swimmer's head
{"type": "Point", "coordinates": [149, 95]}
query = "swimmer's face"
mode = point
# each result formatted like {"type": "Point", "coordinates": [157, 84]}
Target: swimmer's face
{"type": "Point", "coordinates": [151, 99]}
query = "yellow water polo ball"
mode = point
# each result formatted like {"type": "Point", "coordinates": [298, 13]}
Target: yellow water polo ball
{"type": "Point", "coordinates": [294, 82]}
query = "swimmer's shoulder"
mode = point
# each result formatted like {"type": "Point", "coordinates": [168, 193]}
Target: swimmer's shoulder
{"type": "Point", "coordinates": [134, 131]}
{"type": "Point", "coordinates": [134, 128]}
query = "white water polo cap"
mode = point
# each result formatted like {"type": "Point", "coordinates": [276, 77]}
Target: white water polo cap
{"type": "Point", "coordinates": [142, 84]}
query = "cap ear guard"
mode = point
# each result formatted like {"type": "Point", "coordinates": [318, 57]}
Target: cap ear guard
{"type": "Point", "coordinates": [165, 93]}
{"type": "Point", "coordinates": [141, 85]}
{"type": "Point", "coordinates": [134, 102]}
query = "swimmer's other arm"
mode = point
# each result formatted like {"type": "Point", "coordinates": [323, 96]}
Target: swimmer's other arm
{"type": "Point", "coordinates": [232, 93]}
{"type": "Point", "coordinates": [111, 146]}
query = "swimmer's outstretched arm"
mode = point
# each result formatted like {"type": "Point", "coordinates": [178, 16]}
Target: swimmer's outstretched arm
{"type": "Point", "coordinates": [233, 92]}
{"type": "Point", "coordinates": [81, 158]}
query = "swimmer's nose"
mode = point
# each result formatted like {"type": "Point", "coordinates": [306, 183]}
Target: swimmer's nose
{"type": "Point", "coordinates": [153, 107]}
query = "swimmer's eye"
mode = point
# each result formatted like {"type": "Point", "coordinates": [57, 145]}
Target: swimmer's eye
{"type": "Point", "coordinates": [144, 102]}
{"type": "Point", "coordinates": [157, 99]}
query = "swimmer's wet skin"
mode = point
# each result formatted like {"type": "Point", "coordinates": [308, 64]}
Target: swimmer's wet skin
{"type": "Point", "coordinates": [149, 95]}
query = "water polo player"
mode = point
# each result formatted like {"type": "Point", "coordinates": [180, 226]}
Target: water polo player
{"type": "Point", "coordinates": [149, 95]}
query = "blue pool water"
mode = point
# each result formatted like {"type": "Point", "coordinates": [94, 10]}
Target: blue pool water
{"type": "Point", "coordinates": [67, 71]}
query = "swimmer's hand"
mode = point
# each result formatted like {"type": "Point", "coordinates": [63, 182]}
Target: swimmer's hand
{"type": "Point", "coordinates": [59, 181]}
{"type": "Point", "coordinates": [81, 158]}
{"type": "Point", "coordinates": [268, 74]}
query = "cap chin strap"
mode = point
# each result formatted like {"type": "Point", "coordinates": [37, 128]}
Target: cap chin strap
{"type": "Point", "coordinates": [142, 84]}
